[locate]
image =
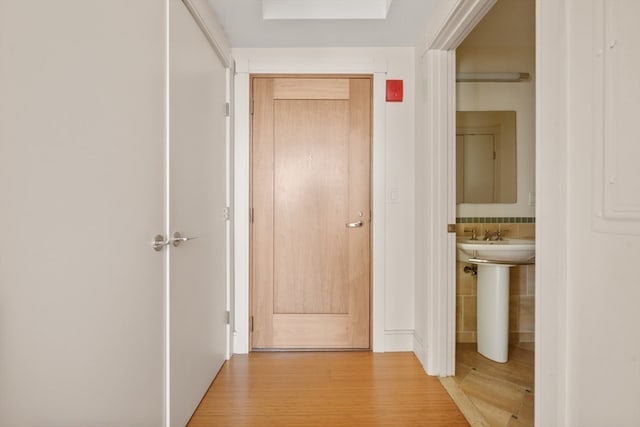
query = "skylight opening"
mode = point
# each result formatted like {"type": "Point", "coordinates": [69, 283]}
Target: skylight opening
{"type": "Point", "coordinates": [325, 9]}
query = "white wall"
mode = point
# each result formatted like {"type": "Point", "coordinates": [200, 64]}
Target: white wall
{"type": "Point", "coordinates": [518, 97]}
{"type": "Point", "coordinates": [400, 216]}
{"type": "Point", "coordinates": [587, 350]}
{"type": "Point", "coordinates": [395, 313]}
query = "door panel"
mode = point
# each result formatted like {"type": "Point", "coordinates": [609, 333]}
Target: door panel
{"type": "Point", "coordinates": [311, 143]}
{"type": "Point", "coordinates": [479, 168]}
{"type": "Point", "coordinates": [311, 88]}
{"type": "Point", "coordinates": [197, 201]}
{"type": "Point", "coordinates": [476, 166]}
{"type": "Point", "coordinates": [81, 179]}
{"type": "Point", "coordinates": [310, 239]}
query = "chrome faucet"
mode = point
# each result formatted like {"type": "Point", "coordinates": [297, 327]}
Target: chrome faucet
{"type": "Point", "coordinates": [490, 235]}
{"type": "Point", "coordinates": [474, 235]}
{"type": "Point", "coordinates": [494, 235]}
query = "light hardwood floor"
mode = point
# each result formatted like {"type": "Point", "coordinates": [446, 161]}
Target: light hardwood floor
{"type": "Point", "coordinates": [503, 393]}
{"type": "Point", "coordinates": [326, 389]}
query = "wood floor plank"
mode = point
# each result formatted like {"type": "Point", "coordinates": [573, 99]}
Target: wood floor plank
{"type": "Point", "coordinates": [326, 389]}
{"type": "Point", "coordinates": [503, 393]}
{"type": "Point", "coordinates": [518, 370]}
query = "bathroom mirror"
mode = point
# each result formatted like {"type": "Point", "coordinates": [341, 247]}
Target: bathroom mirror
{"type": "Point", "coordinates": [486, 157]}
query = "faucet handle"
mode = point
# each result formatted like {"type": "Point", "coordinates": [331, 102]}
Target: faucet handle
{"type": "Point", "coordinates": [474, 236]}
{"type": "Point", "coordinates": [500, 233]}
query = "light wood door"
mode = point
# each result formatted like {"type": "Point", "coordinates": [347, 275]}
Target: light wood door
{"type": "Point", "coordinates": [310, 246]}
{"type": "Point", "coordinates": [197, 194]}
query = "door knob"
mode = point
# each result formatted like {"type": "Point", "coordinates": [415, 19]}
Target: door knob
{"type": "Point", "coordinates": [355, 224]}
{"type": "Point", "coordinates": [177, 239]}
{"type": "Point", "coordinates": [159, 242]}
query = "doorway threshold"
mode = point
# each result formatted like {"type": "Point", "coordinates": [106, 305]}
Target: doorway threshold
{"type": "Point", "coordinates": [466, 406]}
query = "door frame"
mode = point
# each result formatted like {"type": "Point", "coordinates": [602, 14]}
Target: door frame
{"type": "Point", "coordinates": [452, 23]}
{"type": "Point", "coordinates": [252, 283]}
{"type": "Point", "coordinates": [322, 66]}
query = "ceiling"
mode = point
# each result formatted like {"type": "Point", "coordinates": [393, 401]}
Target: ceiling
{"type": "Point", "coordinates": [510, 23]}
{"type": "Point", "coordinates": [245, 27]}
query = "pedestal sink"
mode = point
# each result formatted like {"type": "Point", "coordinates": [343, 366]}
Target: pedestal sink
{"type": "Point", "coordinates": [494, 258]}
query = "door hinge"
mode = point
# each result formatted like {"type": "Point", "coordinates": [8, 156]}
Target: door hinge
{"type": "Point", "coordinates": [451, 228]}
{"type": "Point", "coordinates": [227, 109]}
{"type": "Point", "coordinates": [228, 317]}
{"type": "Point", "coordinates": [251, 215]}
{"type": "Point", "coordinates": [227, 213]}
{"type": "Point", "coordinates": [251, 106]}
{"type": "Point", "coordinates": [251, 324]}
{"type": "Point", "coordinates": [494, 155]}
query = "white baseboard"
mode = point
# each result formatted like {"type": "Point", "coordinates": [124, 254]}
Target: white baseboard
{"type": "Point", "coordinates": [394, 340]}
{"type": "Point", "coordinates": [418, 348]}
{"type": "Point", "coordinates": [398, 340]}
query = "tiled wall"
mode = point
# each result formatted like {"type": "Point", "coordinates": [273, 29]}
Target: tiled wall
{"type": "Point", "coordinates": [522, 282]}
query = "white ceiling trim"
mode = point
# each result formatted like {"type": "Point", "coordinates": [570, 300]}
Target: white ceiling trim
{"type": "Point", "coordinates": [325, 9]}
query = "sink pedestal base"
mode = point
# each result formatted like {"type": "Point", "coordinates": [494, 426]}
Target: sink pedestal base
{"type": "Point", "coordinates": [493, 312]}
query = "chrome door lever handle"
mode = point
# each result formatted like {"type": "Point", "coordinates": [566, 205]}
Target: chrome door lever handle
{"type": "Point", "coordinates": [159, 242]}
{"type": "Point", "coordinates": [177, 239]}
{"type": "Point", "coordinates": [355, 224]}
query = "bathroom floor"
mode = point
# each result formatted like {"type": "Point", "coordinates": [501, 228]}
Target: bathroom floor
{"type": "Point", "coordinates": [502, 393]}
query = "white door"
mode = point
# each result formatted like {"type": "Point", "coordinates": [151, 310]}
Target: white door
{"type": "Point", "coordinates": [197, 194]}
{"type": "Point", "coordinates": [81, 197]}
{"type": "Point", "coordinates": [477, 176]}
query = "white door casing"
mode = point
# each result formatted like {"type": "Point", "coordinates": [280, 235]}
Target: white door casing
{"type": "Point", "coordinates": [438, 193]}
{"type": "Point", "coordinates": [241, 181]}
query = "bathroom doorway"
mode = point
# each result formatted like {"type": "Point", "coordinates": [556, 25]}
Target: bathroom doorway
{"type": "Point", "coordinates": [497, 60]}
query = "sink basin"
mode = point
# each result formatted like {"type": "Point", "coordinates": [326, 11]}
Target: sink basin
{"type": "Point", "coordinates": [518, 251]}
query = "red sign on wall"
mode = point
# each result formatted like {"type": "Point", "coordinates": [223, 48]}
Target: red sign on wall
{"type": "Point", "coordinates": [394, 90]}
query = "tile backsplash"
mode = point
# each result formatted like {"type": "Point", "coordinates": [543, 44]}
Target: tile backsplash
{"type": "Point", "coordinates": [521, 281]}
{"type": "Point", "coordinates": [495, 220]}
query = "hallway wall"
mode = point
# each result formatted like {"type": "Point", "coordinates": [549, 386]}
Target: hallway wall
{"type": "Point", "coordinates": [398, 176]}
{"type": "Point", "coordinates": [588, 240]}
